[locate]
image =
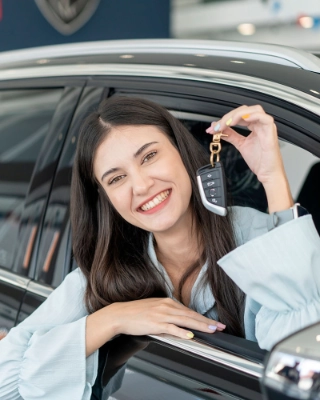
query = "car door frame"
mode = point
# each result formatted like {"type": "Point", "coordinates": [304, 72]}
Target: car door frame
{"type": "Point", "coordinates": [155, 88]}
{"type": "Point", "coordinates": [12, 282]}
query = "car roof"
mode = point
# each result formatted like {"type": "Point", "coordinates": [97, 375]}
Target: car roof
{"type": "Point", "coordinates": [86, 51]}
{"type": "Point", "coordinates": [278, 71]}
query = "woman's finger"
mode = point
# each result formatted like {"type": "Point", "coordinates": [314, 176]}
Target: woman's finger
{"type": "Point", "coordinates": [174, 330]}
{"type": "Point", "coordinates": [193, 320]}
{"type": "Point", "coordinates": [3, 333]}
{"type": "Point", "coordinates": [199, 319]}
{"type": "Point", "coordinates": [238, 116]}
{"type": "Point", "coordinates": [235, 138]}
{"type": "Point", "coordinates": [191, 323]}
{"type": "Point", "coordinates": [177, 310]}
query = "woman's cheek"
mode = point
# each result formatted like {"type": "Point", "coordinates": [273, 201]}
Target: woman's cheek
{"type": "Point", "coordinates": [121, 200]}
{"type": "Point", "coordinates": [164, 170]}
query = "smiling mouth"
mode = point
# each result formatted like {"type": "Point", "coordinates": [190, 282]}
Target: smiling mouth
{"type": "Point", "coordinates": [158, 199]}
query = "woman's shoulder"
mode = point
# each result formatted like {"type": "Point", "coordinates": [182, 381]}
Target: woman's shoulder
{"type": "Point", "coordinates": [248, 223]}
{"type": "Point", "coordinates": [76, 276]}
{"type": "Point", "coordinates": [71, 291]}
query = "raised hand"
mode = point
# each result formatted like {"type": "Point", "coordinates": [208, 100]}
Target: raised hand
{"type": "Point", "coordinates": [260, 150]}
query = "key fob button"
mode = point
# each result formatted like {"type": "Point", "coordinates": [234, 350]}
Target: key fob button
{"type": "Point", "coordinates": [209, 176]}
{"type": "Point", "coordinates": [212, 186]}
{"type": "Point", "coordinates": [215, 201]}
{"type": "Point", "coordinates": [212, 183]}
{"type": "Point", "coordinates": [213, 192]}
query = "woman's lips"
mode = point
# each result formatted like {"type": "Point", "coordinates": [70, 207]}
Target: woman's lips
{"type": "Point", "coordinates": [159, 206]}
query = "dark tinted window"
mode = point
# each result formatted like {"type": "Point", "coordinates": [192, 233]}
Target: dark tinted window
{"type": "Point", "coordinates": [55, 244]}
{"type": "Point", "coordinates": [25, 117]}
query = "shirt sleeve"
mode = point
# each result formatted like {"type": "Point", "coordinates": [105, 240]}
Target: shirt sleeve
{"type": "Point", "coordinates": [45, 356]}
{"type": "Point", "coordinates": [280, 271]}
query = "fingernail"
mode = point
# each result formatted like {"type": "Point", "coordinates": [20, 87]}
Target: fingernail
{"type": "Point", "coordinates": [216, 128]}
{"type": "Point", "coordinates": [246, 116]}
{"type": "Point", "coordinates": [190, 335]}
{"type": "Point", "coordinates": [212, 328]}
{"type": "Point", "coordinates": [229, 122]}
{"type": "Point", "coordinates": [220, 325]}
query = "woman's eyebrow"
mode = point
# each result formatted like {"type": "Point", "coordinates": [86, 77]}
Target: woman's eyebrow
{"type": "Point", "coordinates": [136, 154]}
{"type": "Point", "coordinates": [110, 171]}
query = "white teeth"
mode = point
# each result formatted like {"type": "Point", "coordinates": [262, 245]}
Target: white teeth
{"type": "Point", "coordinates": [155, 201]}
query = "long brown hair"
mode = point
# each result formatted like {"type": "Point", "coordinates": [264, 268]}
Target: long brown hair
{"type": "Point", "coordinates": [113, 254]}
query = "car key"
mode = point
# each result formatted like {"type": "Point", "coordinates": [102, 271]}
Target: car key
{"type": "Point", "coordinates": [212, 182]}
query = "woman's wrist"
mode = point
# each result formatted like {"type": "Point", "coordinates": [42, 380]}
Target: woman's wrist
{"type": "Point", "coordinates": [100, 328]}
{"type": "Point", "coordinates": [278, 194]}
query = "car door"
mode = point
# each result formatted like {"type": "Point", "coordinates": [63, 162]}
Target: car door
{"type": "Point", "coordinates": [50, 260]}
{"type": "Point", "coordinates": [211, 366]}
{"type": "Point", "coordinates": [31, 114]}
{"type": "Point", "coordinates": [25, 118]}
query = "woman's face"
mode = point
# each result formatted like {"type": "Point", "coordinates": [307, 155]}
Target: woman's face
{"type": "Point", "coordinates": [144, 177]}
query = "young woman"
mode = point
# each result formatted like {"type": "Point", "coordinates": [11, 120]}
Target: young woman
{"type": "Point", "coordinates": [153, 260]}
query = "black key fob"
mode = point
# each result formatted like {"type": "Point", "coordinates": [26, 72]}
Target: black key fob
{"type": "Point", "coordinates": [212, 187]}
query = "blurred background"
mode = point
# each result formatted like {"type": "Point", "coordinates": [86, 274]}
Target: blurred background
{"type": "Point", "coordinates": [288, 22]}
{"type": "Point", "coordinates": [28, 23]}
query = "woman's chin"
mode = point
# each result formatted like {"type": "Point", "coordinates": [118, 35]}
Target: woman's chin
{"type": "Point", "coordinates": [163, 225]}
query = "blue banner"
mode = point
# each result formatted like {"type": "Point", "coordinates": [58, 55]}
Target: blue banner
{"type": "Point", "coordinates": [29, 23]}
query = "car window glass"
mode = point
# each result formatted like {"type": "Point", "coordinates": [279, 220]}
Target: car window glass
{"type": "Point", "coordinates": [303, 170]}
{"type": "Point", "coordinates": [54, 252]}
{"type": "Point", "coordinates": [25, 116]}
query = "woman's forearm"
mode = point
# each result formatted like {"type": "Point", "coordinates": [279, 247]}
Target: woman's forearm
{"type": "Point", "coordinates": [99, 330]}
{"type": "Point", "coordinates": [278, 194]}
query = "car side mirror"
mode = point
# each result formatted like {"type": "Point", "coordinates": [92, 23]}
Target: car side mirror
{"type": "Point", "coordinates": [293, 367]}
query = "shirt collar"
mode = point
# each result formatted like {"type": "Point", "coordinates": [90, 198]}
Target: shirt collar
{"type": "Point", "coordinates": [201, 298]}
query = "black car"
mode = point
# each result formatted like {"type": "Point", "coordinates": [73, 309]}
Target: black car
{"type": "Point", "coordinates": [45, 93]}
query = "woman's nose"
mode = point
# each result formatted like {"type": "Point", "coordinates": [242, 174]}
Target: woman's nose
{"type": "Point", "coordinates": [141, 183]}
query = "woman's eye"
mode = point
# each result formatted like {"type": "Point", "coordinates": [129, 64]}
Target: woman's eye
{"type": "Point", "coordinates": [116, 179]}
{"type": "Point", "coordinates": [149, 156]}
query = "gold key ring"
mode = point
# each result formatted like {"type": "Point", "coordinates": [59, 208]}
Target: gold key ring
{"type": "Point", "coordinates": [215, 147]}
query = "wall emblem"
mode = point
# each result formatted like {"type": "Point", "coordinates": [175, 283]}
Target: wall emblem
{"type": "Point", "coordinates": [67, 16]}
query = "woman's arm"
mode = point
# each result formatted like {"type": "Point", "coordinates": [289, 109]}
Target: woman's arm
{"type": "Point", "coordinates": [279, 270]}
{"type": "Point", "coordinates": [53, 353]}
{"type": "Point", "coordinates": [45, 356]}
{"type": "Point", "coordinates": [145, 317]}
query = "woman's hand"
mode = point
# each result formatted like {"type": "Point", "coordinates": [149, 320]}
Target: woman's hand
{"type": "Point", "coordinates": [260, 150]}
{"type": "Point", "coordinates": [145, 317]}
{"type": "Point", "coordinates": [3, 333]}
{"type": "Point", "coordinates": [158, 315]}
